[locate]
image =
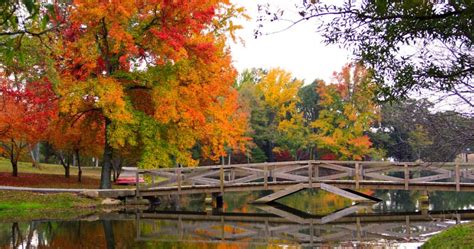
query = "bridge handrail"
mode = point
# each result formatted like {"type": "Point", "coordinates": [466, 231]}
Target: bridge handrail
{"type": "Point", "coordinates": [289, 163]}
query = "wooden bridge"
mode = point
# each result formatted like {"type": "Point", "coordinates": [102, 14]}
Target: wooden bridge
{"type": "Point", "coordinates": [339, 177]}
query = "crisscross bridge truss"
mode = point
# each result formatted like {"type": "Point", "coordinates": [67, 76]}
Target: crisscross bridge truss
{"type": "Point", "coordinates": [309, 174]}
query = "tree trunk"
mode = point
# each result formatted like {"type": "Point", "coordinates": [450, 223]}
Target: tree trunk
{"type": "Point", "coordinates": [15, 168]}
{"type": "Point", "coordinates": [79, 169]}
{"type": "Point", "coordinates": [105, 182]}
{"type": "Point", "coordinates": [74, 159]}
{"type": "Point", "coordinates": [48, 152]}
{"type": "Point", "coordinates": [13, 161]}
{"type": "Point", "coordinates": [65, 163]}
{"type": "Point", "coordinates": [35, 155]}
{"type": "Point", "coordinates": [269, 151]}
{"type": "Point", "coordinates": [67, 171]}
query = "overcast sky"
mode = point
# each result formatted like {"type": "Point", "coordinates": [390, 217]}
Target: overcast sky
{"type": "Point", "coordinates": [298, 50]}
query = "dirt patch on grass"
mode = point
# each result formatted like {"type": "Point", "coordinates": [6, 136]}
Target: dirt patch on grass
{"type": "Point", "coordinates": [47, 181]}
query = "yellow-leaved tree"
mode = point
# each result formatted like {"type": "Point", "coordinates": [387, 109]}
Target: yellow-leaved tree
{"type": "Point", "coordinates": [275, 119]}
{"type": "Point", "coordinates": [348, 111]}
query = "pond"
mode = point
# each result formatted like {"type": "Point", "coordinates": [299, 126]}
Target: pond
{"type": "Point", "coordinates": [307, 219]}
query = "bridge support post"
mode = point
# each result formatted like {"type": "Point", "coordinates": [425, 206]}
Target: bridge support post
{"type": "Point", "coordinates": [137, 184]}
{"type": "Point", "coordinates": [406, 173]}
{"type": "Point", "coordinates": [214, 200]}
{"type": "Point", "coordinates": [265, 176]}
{"type": "Point", "coordinates": [458, 177]}
{"type": "Point", "coordinates": [357, 175]}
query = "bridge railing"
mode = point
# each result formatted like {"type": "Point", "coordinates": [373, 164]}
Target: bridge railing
{"type": "Point", "coordinates": [310, 172]}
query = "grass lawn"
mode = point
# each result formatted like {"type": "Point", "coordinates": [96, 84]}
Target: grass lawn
{"type": "Point", "coordinates": [50, 176]}
{"type": "Point", "coordinates": [54, 169]}
{"type": "Point", "coordinates": [459, 236]}
{"type": "Point", "coordinates": [47, 176]}
{"type": "Point", "coordinates": [18, 206]}
{"type": "Point", "coordinates": [22, 206]}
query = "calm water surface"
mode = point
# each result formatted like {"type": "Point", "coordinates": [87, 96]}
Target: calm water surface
{"type": "Point", "coordinates": [304, 220]}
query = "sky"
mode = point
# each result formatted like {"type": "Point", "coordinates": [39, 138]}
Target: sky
{"type": "Point", "coordinates": [298, 50]}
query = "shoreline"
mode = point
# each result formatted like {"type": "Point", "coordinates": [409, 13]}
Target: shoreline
{"type": "Point", "coordinates": [18, 206]}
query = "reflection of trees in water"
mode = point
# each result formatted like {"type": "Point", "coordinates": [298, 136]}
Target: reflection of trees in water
{"type": "Point", "coordinates": [97, 234]}
{"type": "Point", "coordinates": [401, 200]}
{"type": "Point", "coordinates": [451, 200]}
{"type": "Point", "coordinates": [317, 202]}
{"type": "Point", "coordinates": [179, 203]}
{"type": "Point", "coordinates": [238, 202]}
{"type": "Point", "coordinates": [109, 234]}
{"type": "Point", "coordinates": [25, 235]}
{"type": "Point", "coordinates": [17, 237]}
{"type": "Point", "coordinates": [396, 200]}
{"type": "Point", "coordinates": [70, 234]}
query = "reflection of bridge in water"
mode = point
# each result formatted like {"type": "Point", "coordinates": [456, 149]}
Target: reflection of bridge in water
{"type": "Point", "coordinates": [283, 225]}
{"type": "Point", "coordinates": [339, 177]}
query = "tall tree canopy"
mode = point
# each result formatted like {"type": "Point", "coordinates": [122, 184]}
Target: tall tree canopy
{"type": "Point", "coordinates": [271, 98]}
{"type": "Point", "coordinates": [411, 45]}
{"type": "Point", "coordinates": [411, 130]}
{"type": "Point", "coordinates": [348, 111]}
{"type": "Point", "coordinates": [157, 74]}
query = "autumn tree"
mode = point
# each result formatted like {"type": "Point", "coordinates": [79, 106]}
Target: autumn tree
{"type": "Point", "coordinates": [157, 73]}
{"type": "Point", "coordinates": [25, 113]}
{"type": "Point", "coordinates": [254, 106]}
{"type": "Point", "coordinates": [347, 113]}
{"type": "Point", "coordinates": [73, 137]}
{"type": "Point", "coordinates": [275, 120]}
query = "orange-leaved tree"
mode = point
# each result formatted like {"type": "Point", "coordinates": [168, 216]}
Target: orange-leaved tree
{"type": "Point", "coordinates": [73, 137]}
{"type": "Point", "coordinates": [157, 72]}
{"type": "Point", "coordinates": [25, 114]}
{"type": "Point", "coordinates": [348, 111]}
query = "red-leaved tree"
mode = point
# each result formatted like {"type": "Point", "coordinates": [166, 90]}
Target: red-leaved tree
{"type": "Point", "coordinates": [25, 113]}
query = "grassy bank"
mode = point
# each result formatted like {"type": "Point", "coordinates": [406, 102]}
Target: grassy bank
{"type": "Point", "coordinates": [459, 236]}
{"type": "Point", "coordinates": [53, 169]}
{"type": "Point", "coordinates": [24, 206]}
{"type": "Point", "coordinates": [49, 176]}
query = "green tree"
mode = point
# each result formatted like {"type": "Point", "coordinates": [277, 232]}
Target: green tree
{"type": "Point", "coordinates": [310, 107]}
{"type": "Point", "coordinates": [419, 139]}
{"type": "Point", "coordinates": [271, 98]}
{"type": "Point", "coordinates": [411, 130]}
